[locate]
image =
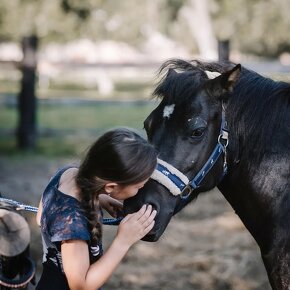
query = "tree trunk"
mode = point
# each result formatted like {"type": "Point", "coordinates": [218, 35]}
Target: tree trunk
{"type": "Point", "coordinates": [224, 50]}
{"type": "Point", "coordinates": [26, 132]}
{"type": "Point", "coordinates": [198, 19]}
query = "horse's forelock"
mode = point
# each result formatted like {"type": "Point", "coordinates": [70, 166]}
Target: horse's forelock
{"type": "Point", "coordinates": [220, 67]}
{"type": "Point", "coordinates": [197, 68]}
{"type": "Point", "coordinates": [179, 85]}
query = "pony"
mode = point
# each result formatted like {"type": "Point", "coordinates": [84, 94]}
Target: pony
{"type": "Point", "coordinates": [221, 124]}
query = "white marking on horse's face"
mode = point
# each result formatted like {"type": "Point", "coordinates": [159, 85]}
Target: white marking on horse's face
{"type": "Point", "coordinates": [168, 110]}
{"type": "Point", "coordinates": [212, 74]}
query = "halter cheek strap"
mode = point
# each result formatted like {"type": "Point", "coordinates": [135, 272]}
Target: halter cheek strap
{"type": "Point", "coordinates": [177, 183]}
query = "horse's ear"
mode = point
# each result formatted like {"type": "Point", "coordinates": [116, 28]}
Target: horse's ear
{"type": "Point", "coordinates": [224, 83]}
{"type": "Point", "coordinates": [171, 72]}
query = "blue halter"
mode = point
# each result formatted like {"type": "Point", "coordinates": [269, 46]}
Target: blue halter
{"type": "Point", "coordinates": [177, 178]}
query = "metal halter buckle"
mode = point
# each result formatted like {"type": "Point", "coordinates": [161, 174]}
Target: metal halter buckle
{"type": "Point", "coordinates": [224, 137]}
{"type": "Point", "coordinates": [186, 192]}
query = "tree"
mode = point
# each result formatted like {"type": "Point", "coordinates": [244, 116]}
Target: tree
{"type": "Point", "coordinates": [199, 22]}
{"type": "Point", "coordinates": [35, 21]}
{"type": "Point", "coordinates": [255, 26]}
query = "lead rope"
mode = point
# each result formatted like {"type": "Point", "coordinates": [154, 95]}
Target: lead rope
{"type": "Point", "coordinates": [25, 207]}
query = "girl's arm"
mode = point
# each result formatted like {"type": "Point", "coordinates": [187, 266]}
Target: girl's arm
{"type": "Point", "coordinates": [83, 276]}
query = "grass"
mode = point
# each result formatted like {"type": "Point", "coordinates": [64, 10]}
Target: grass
{"type": "Point", "coordinates": [93, 116]}
{"type": "Point", "coordinates": [83, 116]}
{"type": "Point", "coordinates": [68, 130]}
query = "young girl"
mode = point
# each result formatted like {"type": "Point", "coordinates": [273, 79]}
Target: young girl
{"type": "Point", "coordinates": [116, 166]}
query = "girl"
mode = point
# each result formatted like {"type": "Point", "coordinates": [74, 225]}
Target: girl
{"type": "Point", "coordinates": [116, 166]}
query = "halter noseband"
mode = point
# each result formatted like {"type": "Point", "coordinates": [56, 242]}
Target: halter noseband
{"type": "Point", "coordinates": [177, 183]}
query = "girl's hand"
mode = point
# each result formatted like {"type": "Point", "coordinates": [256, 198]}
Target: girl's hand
{"type": "Point", "coordinates": [135, 226]}
{"type": "Point", "coordinates": [111, 205]}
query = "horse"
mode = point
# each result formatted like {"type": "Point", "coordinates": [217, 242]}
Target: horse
{"type": "Point", "coordinates": [17, 269]}
{"type": "Point", "coordinates": [219, 124]}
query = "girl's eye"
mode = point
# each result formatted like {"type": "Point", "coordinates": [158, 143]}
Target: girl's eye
{"type": "Point", "coordinates": [197, 133]}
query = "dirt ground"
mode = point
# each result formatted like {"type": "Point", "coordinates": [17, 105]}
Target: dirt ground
{"type": "Point", "coordinates": [205, 247]}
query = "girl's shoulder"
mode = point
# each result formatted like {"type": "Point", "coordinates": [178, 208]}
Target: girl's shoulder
{"type": "Point", "coordinates": [59, 198]}
{"type": "Point", "coordinates": [67, 183]}
{"type": "Point", "coordinates": [55, 180]}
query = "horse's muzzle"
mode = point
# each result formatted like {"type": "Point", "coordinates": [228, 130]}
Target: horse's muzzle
{"type": "Point", "coordinates": [156, 195]}
{"type": "Point", "coordinates": [153, 235]}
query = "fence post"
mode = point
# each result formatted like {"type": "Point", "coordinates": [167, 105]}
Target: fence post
{"type": "Point", "coordinates": [26, 131]}
{"type": "Point", "coordinates": [224, 50]}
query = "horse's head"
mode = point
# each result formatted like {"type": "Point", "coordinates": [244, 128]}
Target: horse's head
{"type": "Point", "coordinates": [185, 128]}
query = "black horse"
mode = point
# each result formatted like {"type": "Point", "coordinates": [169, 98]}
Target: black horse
{"type": "Point", "coordinates": [220, 124]}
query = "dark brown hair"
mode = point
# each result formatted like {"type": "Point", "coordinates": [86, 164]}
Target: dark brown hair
{"type": "Point", "coordinates": [120, 155]}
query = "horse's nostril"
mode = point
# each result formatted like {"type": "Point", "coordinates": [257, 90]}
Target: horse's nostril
{"type": "Point", "coordinates": [154, 207]}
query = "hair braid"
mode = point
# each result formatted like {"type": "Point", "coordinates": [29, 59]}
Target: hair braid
{"type": "Point", "coordinates": [90, 205]}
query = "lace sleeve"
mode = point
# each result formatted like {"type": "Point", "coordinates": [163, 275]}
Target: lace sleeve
{"type": "Point", "coordinates": [66, 222]}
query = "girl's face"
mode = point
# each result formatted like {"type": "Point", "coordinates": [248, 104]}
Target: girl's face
{"type": "Point", "coordinates": [122, 192]}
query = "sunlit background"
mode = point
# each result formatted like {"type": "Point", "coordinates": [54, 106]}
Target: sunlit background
{"type": "Point", "coordinates": [70, 69]}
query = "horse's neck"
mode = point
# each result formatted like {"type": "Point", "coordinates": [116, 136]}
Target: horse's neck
{"type": "Point", "coordinates": [260, 196]}
{"type": "Point", "coordinates": [257, 185]}
{"type": "Point", "coordinates": [261, 199]}
{"type": "Point", "coordinates": [238, 191]}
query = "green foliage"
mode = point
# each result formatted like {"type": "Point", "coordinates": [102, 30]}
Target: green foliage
{"type": "Point", "coordinates": [259, 27]}
{"type": "Point", "coordinates": [173, 7]}
{"type": "Point", "coordinates": [62, 20]}
{"type": "Point", "coordinates": [59, 20]}
{"type": "Point", "coordinates": [81, 8]}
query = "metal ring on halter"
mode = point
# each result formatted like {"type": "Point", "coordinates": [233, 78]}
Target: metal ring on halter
{"type": "Point", "coordinates": [219, 141]}
{"type": "Point", "coordinates": [188, 190]}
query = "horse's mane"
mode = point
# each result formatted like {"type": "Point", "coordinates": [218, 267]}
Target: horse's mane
{"type": "Point", "coordinates": [175, 86]}
{"type": "Point", "coordinates": [257, 108]}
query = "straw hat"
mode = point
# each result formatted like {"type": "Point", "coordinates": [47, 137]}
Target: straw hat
{"type": "Point", "coordinates": [14, 233]}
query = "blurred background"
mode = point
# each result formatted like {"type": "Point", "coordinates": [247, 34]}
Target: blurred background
{"type": "Point", "coordinates": [69, 70]}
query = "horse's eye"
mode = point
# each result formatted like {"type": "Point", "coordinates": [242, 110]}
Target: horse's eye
{"type": "Point", "coordinates": [197, 133]}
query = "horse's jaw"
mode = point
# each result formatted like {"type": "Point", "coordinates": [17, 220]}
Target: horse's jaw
{"type": "Point", "coordinates": [153, 236]}
{"type": "Point", "coordinates": [158, 230]}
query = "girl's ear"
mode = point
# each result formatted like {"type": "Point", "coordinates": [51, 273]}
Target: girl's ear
{"type": "Point", "coordinates": [110, 187]}
{"type": "Point", "coordinates": [224, 83]}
